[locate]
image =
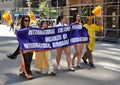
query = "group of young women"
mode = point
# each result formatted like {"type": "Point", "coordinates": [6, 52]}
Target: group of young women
{"type": "Point", "coordinates": [43, 62]}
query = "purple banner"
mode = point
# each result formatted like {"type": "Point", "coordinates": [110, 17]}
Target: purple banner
{"type": "Point", "coordinates": [51, 38]}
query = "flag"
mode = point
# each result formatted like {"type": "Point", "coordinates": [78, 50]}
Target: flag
{"type": "Point", "coordinates": [7, 18]}
{"type": "Point", "coordinates": [32, 17]}
{"type": "Point", "coordinates": [97, 11]}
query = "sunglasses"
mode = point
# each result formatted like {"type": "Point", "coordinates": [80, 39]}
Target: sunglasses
{"type": "Point", "coordinates": [26, 20]}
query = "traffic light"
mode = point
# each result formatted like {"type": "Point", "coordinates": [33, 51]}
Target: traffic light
{"type": "Point", "coordinates": [58, 3]}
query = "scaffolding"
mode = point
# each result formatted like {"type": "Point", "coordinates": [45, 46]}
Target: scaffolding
{"type": "Point", "coordinates": [110, 16]}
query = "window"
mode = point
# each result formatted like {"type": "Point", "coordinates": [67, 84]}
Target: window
{"type": "Point", "coordinates": [58, 3]}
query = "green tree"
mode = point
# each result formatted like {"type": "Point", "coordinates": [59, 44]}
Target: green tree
{"type": "Point", "coordinates": [46, 11]}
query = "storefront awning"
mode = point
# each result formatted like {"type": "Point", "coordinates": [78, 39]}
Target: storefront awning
{"type": "Point", "coordinates": [19, 15]}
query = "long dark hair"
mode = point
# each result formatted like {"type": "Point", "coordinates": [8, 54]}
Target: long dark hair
{"type": "Point", "coordinates": [22, 21]}
{"type": "Point", "coordinates": [74, 17]}
{"type": "Point", "coordinates": [60, 18]}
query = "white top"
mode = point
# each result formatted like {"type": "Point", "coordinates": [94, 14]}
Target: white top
{"type": "Point", "coordinates": [60, 24]}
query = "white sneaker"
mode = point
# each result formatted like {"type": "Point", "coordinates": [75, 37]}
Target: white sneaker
{"type": "Point", "coordinates": [53, 73]}
{"type": "Point", "coordinates": [71, 69]}
{"type": "Point", "coordinates": [59, 67]}
{"type": "Point", "coordinates": [44, 71]}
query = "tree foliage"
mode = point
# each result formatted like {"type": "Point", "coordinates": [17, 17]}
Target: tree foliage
{"type": "Point", "coordinates": [46, 11]}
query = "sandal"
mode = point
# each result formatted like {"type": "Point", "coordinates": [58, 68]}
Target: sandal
{"type": "Point", "coordinates": [28, 76]}
{"type": "Point", "coordinates": [24, 73]}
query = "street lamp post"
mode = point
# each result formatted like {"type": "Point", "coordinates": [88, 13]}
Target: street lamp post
{"type": "Point", "coordinates": [40, 11]}
{"type": "Point", "coordinates": [29, 4]}
{"type": "Point", "coordinates": [12, 12]}
{"type": "Point", "coordinates": [57, 9]}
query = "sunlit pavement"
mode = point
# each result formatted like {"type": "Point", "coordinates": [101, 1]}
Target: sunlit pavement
{"type": "Point", "coordinates": [5, 31]}
{"type": "Point", "coordinates": [106, 71]}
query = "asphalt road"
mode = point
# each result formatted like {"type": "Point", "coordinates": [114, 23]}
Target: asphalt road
{"type": "Point", "coordinates": [106, 71]}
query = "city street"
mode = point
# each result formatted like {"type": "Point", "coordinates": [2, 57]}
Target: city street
{"type": "Point", "coordinates": [106, 71]}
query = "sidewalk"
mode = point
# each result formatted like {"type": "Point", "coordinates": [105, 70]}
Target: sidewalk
{"type": "Point", "coordinates": [5, 31]}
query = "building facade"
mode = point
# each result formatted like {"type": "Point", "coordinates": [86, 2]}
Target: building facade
{"type": "Point", "coordinates": [18, 7]}
{"type": "Point", "coordinates": [110, 15]}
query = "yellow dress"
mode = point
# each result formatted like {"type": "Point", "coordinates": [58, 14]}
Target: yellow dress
{"type": "Point", "coordinates": [41, 58]}
{"type": "Point", "coordinates": [91, 31]}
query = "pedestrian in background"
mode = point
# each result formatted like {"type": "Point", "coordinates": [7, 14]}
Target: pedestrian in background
{"type": "Point", "coordinates": [17, 51]}
{"type": "Point", "coordinates": [12, 26]}
{"type": "Point", "coordinates": [92, 28]}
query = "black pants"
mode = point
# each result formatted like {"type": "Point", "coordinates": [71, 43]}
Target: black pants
{"type": "Point", "coordinates": [17, 51]}
{"type": "Point", "coordinates": [27, 61]}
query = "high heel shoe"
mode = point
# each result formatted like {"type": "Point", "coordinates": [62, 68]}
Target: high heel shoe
{"type": "Point", "coordinates": [25, 74]}
{"type": "Point", "coordinates": [28, 76]}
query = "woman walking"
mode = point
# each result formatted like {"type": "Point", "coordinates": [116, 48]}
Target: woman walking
{"type": "Point", "coordinates": [26, 56]}
{"type": "Point", "coordinates": [61, 21]}
{"type": "Point", "coordinates": [43, 62]}
{"type": "Point", "coordinates": [78, 47]}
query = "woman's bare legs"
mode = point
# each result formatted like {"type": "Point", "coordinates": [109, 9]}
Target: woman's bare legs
{"type": "Point", "coordinates": [58, 57]}
{"type": "Point", "coordinates": [68, 58]}
{"type": "Point", "coordinates": [78, 53]}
